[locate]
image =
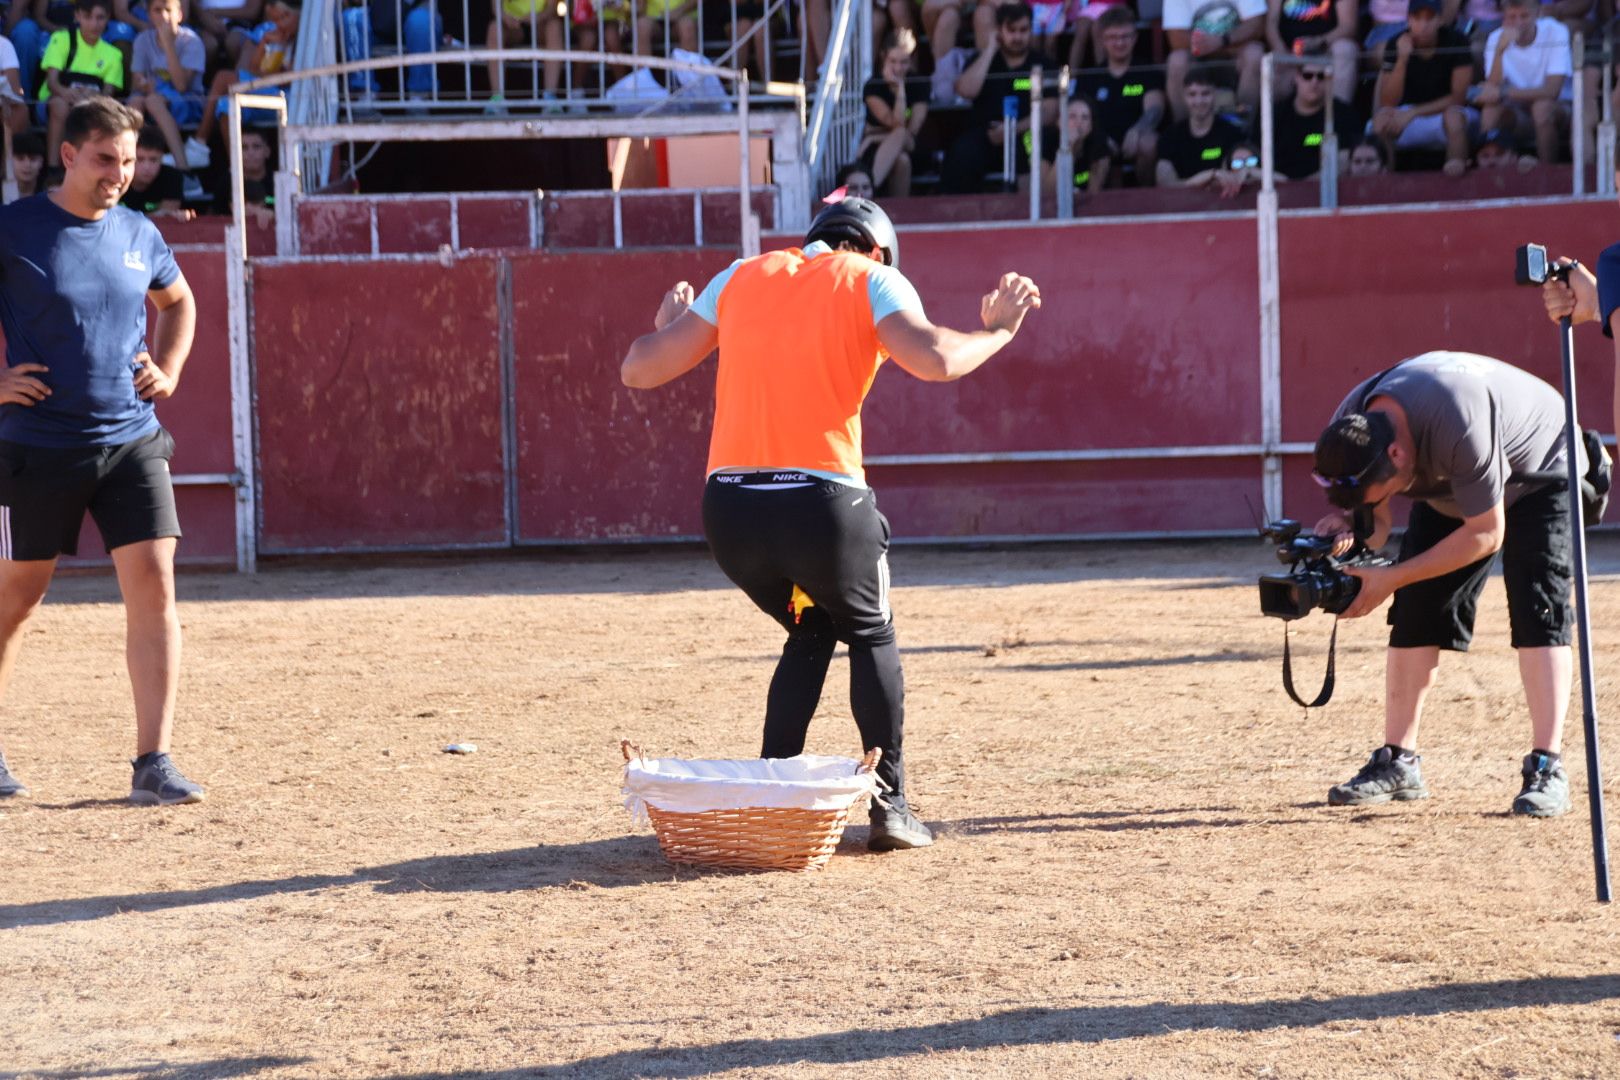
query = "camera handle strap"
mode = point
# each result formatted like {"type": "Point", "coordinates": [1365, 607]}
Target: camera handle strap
{"type": "Point", "coordinates": [1327, 679]}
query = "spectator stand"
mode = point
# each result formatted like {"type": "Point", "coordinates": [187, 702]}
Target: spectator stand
{"type": "Point", "coordinates": [839, 113]}
{"type": "Point", "coordinates": [784, 129]}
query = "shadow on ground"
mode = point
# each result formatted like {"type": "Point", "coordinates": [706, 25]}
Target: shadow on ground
{"type": "Point", "coordinates": [608, 864]}
{"type": "Point", "coordinates": [215, 1069]}
{"type": "Point", "coordinates": [1078, 1026]}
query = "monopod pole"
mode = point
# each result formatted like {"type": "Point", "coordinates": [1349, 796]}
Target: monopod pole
{"type": "Point", "coordinates": [1594, 769]}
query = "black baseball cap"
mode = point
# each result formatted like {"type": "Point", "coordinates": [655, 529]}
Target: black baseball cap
{"type": "Point", "coordinates": [1352, 453]}
{"type": "Point", "coordinates": [1414, 6]}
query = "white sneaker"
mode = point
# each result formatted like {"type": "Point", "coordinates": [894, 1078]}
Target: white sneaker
{"type": "Point", "coordinates": [167, 159]}
{"type": "Point", "coordinates": [198, 156]}
{"type": "Point", "coordinates": [192, 189]}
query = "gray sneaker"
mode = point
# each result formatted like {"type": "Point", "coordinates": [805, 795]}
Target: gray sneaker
{"type": "Point", "coordinates": [158, 783]}
{"type": "Point", "coordinates": [10, 786]}
{"type": "Point", "coordinates": [1546, 787]}
{"type": "Point", "coordinates": [896, 828]}
{"type": "Point", "coordinates": [1384, 777]}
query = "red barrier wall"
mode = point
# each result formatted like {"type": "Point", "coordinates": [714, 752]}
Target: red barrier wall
{"type": "Point", "coordinates": [1362, 291]}
{"type": "Point", "coordinates": [380, 383]}
{"type": "Point", "coordinates": [379, 405]}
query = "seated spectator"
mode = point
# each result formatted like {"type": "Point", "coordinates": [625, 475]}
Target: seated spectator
{"type": "Point", "coordinates": [13, 107]}
{"type": "Point", "coordinates": [1422, 88]}
{"type": "Point", "coordinates": [1193, 152]}
{"type": "Point", "coordinates": [271, 54]}
{"type": "Point", "coordinates": [1048, 21]}
{"type": "Point", "coordinates": [896, 108]}
{"type": "Point", "coordinates": [998, 73]}
{"type": "Point", "coordinates": [226, 26]}
{"type": "Point", "coordinates": [157, 190]}
{"type": "Point", "coordinates": [27, 37]}
{"type": "Point", "coordinates": [1369, 157]}
{"type": "Point", "coordinates": [1087, 24]}
{"type": "Point", "coordinates": [168, 76]}
{"type": "Point", "coordinates": [942, 22]}
{"type": "Point", "coordinates": [27, 163]}
{"type": "Point", "coordinates": [1527, 77]}
{"type": "Point", "coordinates": [1300, 121]}
{"type": "Point", "coordinates": [1307, 27]}
{"type": "Point", "coordinates": [723, 24]}
{"type": "Point", "coordinates": [665, 24]}
{"type": "Point", "coordinates": [78, 65]}
{"type": "Point", "coordinates": [258, 181]}
{"type": "Point", "coordinates": [520, 22]}
{"type": "Point", "coordinates": [1128, 100]}
{"type": "Point", "coordinates": [1389, 20]}
{"type": "Point", "coordinates": [1092, 156]}
{"type": "Point", "coordinates": [1232, 30]}
{"type": "Point", "coordinates": [127, 23]}
{"type": "Point", "coordinates": [854, 181]}
{"type": "Point", "coordinates": [1498, 149]}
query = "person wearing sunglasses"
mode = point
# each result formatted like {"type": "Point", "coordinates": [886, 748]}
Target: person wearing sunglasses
{"type": "Point", "coordinates": [1301, 120]}
{"type": "Point", "coordinates": [1452, 433]}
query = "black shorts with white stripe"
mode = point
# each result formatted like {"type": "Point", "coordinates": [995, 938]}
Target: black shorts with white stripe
{"type": "Point", "coordinates": [45, 492]}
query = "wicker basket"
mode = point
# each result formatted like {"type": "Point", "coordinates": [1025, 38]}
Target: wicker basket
{"type": "Point", "coordinates": [755, 837]}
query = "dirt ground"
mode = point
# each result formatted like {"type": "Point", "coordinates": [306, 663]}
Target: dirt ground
{"type": "Point", "coordinates": [1136, 873]}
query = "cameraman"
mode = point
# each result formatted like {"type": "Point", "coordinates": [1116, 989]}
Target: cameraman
{"type": "Point", "coordinates": [1449, 431]}
{"type": "Point", "coordinates": [1588, 298]}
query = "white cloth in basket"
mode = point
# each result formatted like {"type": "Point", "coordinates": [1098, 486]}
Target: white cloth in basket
{"type": "Point", "coordinates": [806, 782]}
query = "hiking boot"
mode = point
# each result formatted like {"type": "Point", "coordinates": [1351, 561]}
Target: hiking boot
{"type": "Point", "coordinates": [158, 783]}
{"type": "Point", "coordinates": [896, 828]}
{"type": "Point", "coordinates": [1384, 777]}
{"type": "Point", "coordinates": [1546, 787]}
{"type": "Point", "coordinates": [10, 786]}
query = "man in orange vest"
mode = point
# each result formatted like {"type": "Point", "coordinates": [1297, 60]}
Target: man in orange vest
{"type": "Point", "coordinates": [786, 510]}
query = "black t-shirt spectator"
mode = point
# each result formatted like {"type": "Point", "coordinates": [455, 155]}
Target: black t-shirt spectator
{"type": "Point", "coordinates": [1086, 154]}
{"type": "Point", "coordinates": [1307, 18]}
{"type": "Point", "coordinates": [168, 185]}
{"type": "Point", "coordinates": [1000, 81]}
{"type": "Point", "coordinates": [1429, 78]}
{"type": "Point", "coordinates": [1190, 154]}
{"type": "Point", "coordinates": [917, 89]}
{"type": "Point", "coordinates": [1119, 97]}
{"type": "Point", "coordinates": [1298, 139]}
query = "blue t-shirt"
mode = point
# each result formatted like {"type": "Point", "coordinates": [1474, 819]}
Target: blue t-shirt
{"type": "Point", "coordinates": [73, 297]}
{"type": "Point", "coordinates": [1608, 275]}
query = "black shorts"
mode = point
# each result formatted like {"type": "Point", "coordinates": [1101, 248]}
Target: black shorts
{"type": "Point", "coordinates": [45, 491]}
{"type": "Point", "coordinates": [1536, 567]}
{"type": "Point", "coordinates": [828, 538]}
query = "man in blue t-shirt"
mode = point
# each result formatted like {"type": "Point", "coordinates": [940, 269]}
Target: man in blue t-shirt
{"type": "Point", "coordinates": [78, 430]}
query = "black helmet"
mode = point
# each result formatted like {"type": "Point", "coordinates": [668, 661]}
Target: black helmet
{"type": "Point", "coordinates": [861, 220]}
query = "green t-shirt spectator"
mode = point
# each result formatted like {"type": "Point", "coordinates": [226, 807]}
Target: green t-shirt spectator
{"type": "Point", "coordinates": [102, 60]}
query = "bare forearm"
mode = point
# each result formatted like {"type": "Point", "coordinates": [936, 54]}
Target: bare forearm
{"type": "Point", "coordinates": [1461, 548]}
{"type": "Point", "coordinates": [176, 326]}
{"type": "Point", "coordinates": [955, 353]}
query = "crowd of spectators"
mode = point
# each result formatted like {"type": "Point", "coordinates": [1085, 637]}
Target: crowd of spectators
{"type": "Point", "coordinates": [169, 62]}
{"type": "Point", "coordinates": [1175, 101]}
{"type": "Point", "coordinates": [1169, 97]}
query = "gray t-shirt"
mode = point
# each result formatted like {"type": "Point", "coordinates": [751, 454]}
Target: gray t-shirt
{"type": "Point", "coordinates": [1475, 422]}
{"type": "Point", "coordinates": [150, 59]}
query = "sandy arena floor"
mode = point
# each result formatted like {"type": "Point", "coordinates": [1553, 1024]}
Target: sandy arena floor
{"type": "Point", "coordinates": [1136, 873]}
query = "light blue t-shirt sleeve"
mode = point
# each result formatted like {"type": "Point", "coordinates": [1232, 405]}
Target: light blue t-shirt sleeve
{"type": "Point", "coordinates": [889, 292]}
{"type": "Point", "coordinates": [707, 305]}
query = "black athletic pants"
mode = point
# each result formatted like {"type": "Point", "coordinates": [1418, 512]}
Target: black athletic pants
{"type": "Point", "coordinates": [770, 531]}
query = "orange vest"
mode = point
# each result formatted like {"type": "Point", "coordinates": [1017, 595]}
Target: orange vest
{"type": "Point", "coordinates": [798, 352]}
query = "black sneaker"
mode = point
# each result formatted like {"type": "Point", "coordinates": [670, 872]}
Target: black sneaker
{"type": "Point", "coordinates": [10, 786]}
{"type": "Point", "coordinates": [896, 828]}
{"type": "Point", "coordinates": [1546, 787]}
{"type": "Point", "coordinates": [1384, 777]}
{"type": "Point", "coordinates": [158, 783]}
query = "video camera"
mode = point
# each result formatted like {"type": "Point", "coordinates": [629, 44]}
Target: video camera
{"type": "Point", "coordinates": [1315, 578]}
{"type": "Point", "coordinates": [1531, 266]}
